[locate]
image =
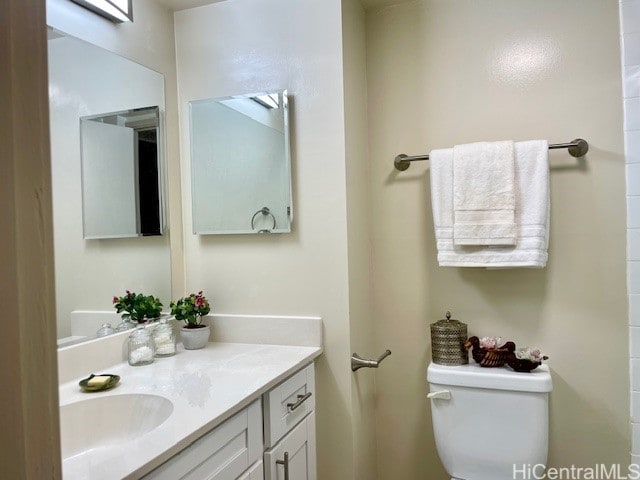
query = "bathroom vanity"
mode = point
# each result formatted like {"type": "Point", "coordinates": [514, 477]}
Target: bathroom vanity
{"type": "Point", "coordinates": [228, 411]}
{"type": "Point", "coordinates": [236, 450]}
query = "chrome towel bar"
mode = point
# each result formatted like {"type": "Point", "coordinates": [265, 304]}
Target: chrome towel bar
{"type": "Point", "coordinates": [577, 148]}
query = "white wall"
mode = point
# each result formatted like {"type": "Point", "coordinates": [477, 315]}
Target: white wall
{"type": "Point", "coordinates": [630, 40]}
{"type": "Point", "coordinates": [245, 46]}
{"type": "Point", "coordinates": [445, 72]}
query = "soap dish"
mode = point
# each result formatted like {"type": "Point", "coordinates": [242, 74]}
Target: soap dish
{"type": "Point", "coordinates": [112, 382]}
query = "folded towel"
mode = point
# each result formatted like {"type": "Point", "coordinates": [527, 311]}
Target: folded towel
{"type": "Point", "coordinates": [483, 194]}
{"type": "Point", "coordinates": [531, 173]}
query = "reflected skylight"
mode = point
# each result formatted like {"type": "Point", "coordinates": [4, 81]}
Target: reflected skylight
{"type": "Point", "coordinates": [115, 10]}
{"type": "Point", "coordinates": [269, 100]}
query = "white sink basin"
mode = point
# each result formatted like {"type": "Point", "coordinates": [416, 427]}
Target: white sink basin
{"type": "Point", "coordinates": [109, 420]}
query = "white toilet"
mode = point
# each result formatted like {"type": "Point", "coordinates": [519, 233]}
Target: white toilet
{"type": "Point", "coordinates": [489, 421]}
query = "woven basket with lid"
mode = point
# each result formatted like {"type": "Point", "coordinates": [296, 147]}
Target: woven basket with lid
{"type": "Point", "coordinates": [447, 342]}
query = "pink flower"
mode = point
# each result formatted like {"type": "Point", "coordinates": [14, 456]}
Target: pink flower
{"type": "Point", "coordinates": [199, 302]}
{"type": "Point", "coordinates": [115, 299]}
{"type": "Point", "coordinates": [531, 354]}
{"type": "Point", "coordinates": [490, 342]}
{"type": "Point", "coordinates": [536, 354]}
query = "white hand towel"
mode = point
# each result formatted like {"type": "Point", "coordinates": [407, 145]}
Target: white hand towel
{"type": "Point", "coordinates": [531, 212]}
{"type": "Point", "coordinates": [483, 194]}
{"type": "Point", "coordinates": [441, 172]}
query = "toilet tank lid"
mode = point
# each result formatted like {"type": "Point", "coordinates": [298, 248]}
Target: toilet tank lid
{"type": "Point", "coordinates": [475, 376]}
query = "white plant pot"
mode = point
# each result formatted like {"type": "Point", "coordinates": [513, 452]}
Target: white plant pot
{"type": "Point", "coordinates": [194, 338]}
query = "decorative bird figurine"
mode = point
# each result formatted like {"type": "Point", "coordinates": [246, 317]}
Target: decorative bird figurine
{"type": "Point", "coordinates": [477, 352]}
{"type": "Point", "coordinates": [486, 352]}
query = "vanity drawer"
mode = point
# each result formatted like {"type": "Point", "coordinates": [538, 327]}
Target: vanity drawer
{"type": "Point", "coordinates": [287, 404]}
{"type": "Point", "coordinates": [222, 454]}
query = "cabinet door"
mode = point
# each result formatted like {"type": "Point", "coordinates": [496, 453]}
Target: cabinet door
{"type": "Point", "coordinates": [256, 472]}
{"type": "Point", "coordinates": [222, 454]}
{"type": "Point", "coordinates": [299, 445]}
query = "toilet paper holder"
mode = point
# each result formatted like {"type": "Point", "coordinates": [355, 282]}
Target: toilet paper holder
{"type": "Point", "coordinates": [358, 362]}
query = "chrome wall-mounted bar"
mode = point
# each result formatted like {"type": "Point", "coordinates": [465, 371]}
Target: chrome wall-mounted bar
{"type": "Point", "coordinates": [577, 148]}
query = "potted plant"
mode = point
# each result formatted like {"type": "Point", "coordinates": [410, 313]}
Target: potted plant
{"type": "Point", "coordinates": [190, 310]}
{"type": "Point", "coordinates": [137, 308]}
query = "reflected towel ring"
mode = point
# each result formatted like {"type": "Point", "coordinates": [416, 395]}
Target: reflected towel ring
{"type": "Point", "coordinates": [263, 211]}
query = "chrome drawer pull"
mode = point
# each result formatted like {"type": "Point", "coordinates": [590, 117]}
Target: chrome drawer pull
{"type": "Point", "coordinates": [300, 401]}
{"type": "Point", "coordinates": [285, 464]}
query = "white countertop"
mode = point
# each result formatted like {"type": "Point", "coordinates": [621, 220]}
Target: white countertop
{"type": "Point", "coordinates": [205, 386]}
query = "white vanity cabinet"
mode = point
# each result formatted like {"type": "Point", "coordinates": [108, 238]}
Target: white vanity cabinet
{"type": "Point", "coordinates": [224, 453]}
{"type": "Point", "coordinates": [238, 450]}
{"type": "Point", "coordinates": [256, 472]}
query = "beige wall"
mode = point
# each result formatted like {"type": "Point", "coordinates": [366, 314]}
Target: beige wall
{"type": "Point", "coordinates": [444, 72]}
{"type": "Point", "coordinates": [149, 41]}
{"type": "Point", "coordinates": [245, 46]}
{"type": "Point", "coordinates": [359, 246]}
{"type": "Point", "coordinates": [29, 438]}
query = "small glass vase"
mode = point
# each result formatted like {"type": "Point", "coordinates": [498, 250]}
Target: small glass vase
{"type": "Point", "coordinates": [141, 347]}
{"type": "Point", "coordinates": [164, 338]}
{"type": "Point", "coordinates": [125, 325]}
{"type": "Point", "coordinates": [105, 330]}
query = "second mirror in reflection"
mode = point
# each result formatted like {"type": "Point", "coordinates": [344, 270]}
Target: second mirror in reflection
{"type": "Point", "coordinates": [121, 177]}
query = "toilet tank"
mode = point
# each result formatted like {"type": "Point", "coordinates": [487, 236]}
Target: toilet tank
{"type": "Point", "coordinates": [493, 420]}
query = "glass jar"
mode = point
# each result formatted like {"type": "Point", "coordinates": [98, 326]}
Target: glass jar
{"type": "Point", "coordinates": [164, 338]}
{"type": "Point", "coordinates": [141, 347]}
{"type": "Point", "coordinates": [125, 325]}
{"type": "Point", "coordinates": [105, 330]}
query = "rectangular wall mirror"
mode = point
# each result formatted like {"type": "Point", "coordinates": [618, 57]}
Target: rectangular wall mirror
{"type": "Point", "coordinates": [111, 95]}
{"type": "Point", "coordinates": [241, 164]}
{"type": "Point", "coordinates": [121, 175]}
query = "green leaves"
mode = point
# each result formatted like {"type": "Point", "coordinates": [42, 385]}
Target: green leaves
{"type": "Point", "coordinates": [191, 309]}
{"type": "Point", "coordinates": [137, 307]}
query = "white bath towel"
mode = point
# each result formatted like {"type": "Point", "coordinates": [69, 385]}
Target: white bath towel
{"type": "Point", "coordinates": [483, 194]}
{"type": "Point", "coordinates": [532, 206]}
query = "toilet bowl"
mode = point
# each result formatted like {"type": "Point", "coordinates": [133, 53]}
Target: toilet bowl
{"type": "Point", "coordinates": [489, 423]}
